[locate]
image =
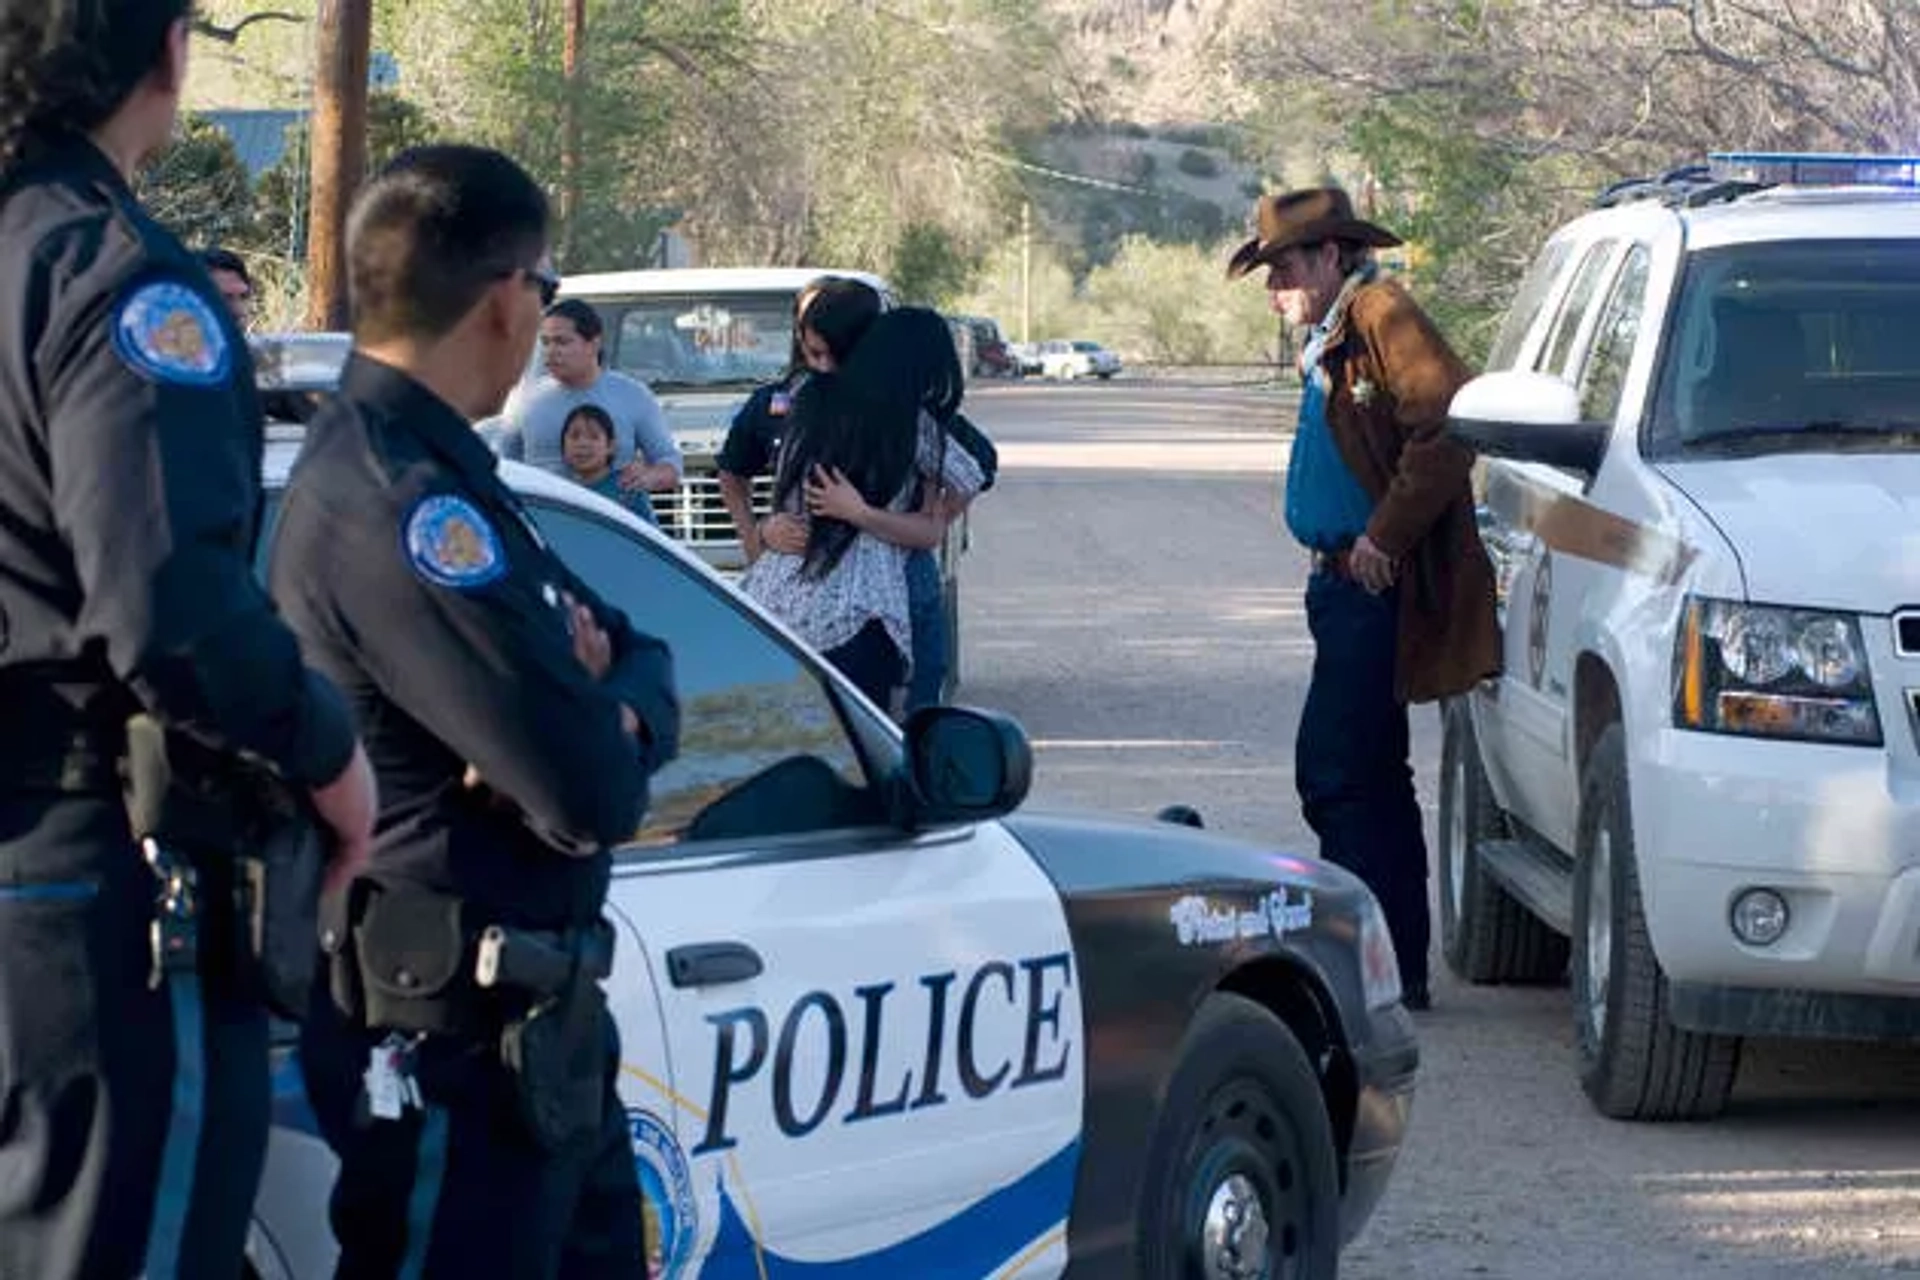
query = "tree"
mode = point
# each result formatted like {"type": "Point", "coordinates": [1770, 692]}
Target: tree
{"type": "Point", "coordinates": [280, 225]}
{"type": "Point", "coordinates": [928, 266]}
{"type": "Point", "coordinates": [198, 187]}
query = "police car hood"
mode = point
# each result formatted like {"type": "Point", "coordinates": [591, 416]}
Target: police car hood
{"type": "Point", "coordinates": [1092, 853]}
{"type": "Point", "coordinates": [1816, 530]}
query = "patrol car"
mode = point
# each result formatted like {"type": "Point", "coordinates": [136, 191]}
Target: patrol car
{"type": "Point", "coordinates": [877, 1019]}
{"type": "Point", "coordinates": [1698, 778]}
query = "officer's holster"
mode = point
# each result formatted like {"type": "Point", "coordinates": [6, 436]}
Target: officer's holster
{"type": "Point", "coordinates": [406, 958]}
{"type": "Point", "coordinates": [255, 850]}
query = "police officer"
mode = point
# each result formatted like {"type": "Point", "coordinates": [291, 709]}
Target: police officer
{"type": "Point", "coordinates": [130, 452]}
{"type": "Point", "coordinates": [514, 719]}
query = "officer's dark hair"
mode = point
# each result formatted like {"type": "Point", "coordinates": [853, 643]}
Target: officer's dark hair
{"type": "Point", "coordinates": [433, 231]}
{"type": "Point", "coordinates": [67, 65]}
{"type": "Point", "coordinates": [842, 313]}
{"type": "Point", "coordinates": [581, 315]}
{"type": "Point", "coordinates": [864, 418]}
{"type": "Point", "coordinates": [217, 259]}
{"type": "Point", "coordinates": [591, 413]}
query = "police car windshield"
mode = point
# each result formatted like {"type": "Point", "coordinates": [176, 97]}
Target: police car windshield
{"type": "Point", "coordinates": [717, 340]}
{"type": "Point", "coordinates": [1794, 345]}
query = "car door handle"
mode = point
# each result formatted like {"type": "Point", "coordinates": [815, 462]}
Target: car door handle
{"type": "Point", "coordinates": [712, 964]}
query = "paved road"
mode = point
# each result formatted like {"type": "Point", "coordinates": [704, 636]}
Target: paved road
{"type": "Point", "coordinates": [1129, 598]}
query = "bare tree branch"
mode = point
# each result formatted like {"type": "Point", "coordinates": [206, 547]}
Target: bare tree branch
{"type": "Point", "coordinates": [231, 35]}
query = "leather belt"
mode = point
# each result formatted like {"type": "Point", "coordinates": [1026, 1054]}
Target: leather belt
{"type": "Point", "coordinates": [1335, 563]}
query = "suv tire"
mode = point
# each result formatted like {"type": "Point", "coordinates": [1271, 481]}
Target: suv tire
{"type": "Point", "coordinates": [1486, 934]}
{"type": "Point", "coordinates": [1634, 1063]}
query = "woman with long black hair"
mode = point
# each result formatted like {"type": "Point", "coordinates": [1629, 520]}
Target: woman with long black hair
{"type": "Point", "coordinates": [864, 435]}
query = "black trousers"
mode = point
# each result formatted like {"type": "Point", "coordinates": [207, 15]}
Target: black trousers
{"type": "Point", "coordinates": [459, 1189]}
{"type": "Point", "coordinates": [87, 1061]}
{"type": "Point", "coordinates": [1352, 759]}
{"type": "Point", "coordinates": [872, 662]}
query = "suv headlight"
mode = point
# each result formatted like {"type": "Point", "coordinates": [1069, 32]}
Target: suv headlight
{"type": "Point", "coordinates": [1770, 672]}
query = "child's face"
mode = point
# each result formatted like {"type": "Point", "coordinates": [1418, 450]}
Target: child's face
{"type": "Point", "coordinates": [585, 446]}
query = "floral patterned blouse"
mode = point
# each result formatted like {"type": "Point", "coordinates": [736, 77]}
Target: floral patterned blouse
{"type": "Point", "coordinates": [870, 581]}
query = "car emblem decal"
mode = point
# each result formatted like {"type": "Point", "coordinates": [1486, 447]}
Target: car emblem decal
{"type": "Point", "coordinates": [666, 1195]}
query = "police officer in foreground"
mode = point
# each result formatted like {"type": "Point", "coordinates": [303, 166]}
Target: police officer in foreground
{"type": "Point", "coordinates": [462, 1062]}
{"type": "Point", "coordinates": [133, 1094]}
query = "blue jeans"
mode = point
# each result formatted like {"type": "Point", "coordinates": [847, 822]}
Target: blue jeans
{"type": "Point", "coordinates": [1352, 759]}
{"type": "Point", "coordinates": [926, 608]}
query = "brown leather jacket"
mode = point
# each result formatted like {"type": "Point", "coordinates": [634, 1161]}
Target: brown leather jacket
{"type": "Point", "coordinates": [1393, 377]}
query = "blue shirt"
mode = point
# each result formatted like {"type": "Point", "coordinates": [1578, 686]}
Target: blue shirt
{"type": "Point", "coordinates": [608, 486]}
{"type": "Point", "coordinates": [536, 416]}
{"type": "Point", "coordinates": [1326, 506]}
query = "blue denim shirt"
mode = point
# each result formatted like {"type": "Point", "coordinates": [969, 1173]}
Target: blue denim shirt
{"type": "Point", "coordinates": [1326, 506]}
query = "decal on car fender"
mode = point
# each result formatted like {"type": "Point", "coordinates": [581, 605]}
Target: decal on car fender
{"type": "Point", "coordinates": [1198, 922]}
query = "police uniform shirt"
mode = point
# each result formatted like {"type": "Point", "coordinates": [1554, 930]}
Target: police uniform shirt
{"type": "Point", "coordinates": [753, 439]}
{"type": "Point", "coordinates": [130, 453]}
{"type": "Point", "coordinates": [418, 581]}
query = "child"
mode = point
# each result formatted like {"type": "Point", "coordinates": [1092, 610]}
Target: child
{"type": "Point", "coordinates": [586, 442]}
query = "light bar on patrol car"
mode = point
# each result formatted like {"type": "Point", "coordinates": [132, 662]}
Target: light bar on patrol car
{"type": "Point", "coordinates": [1814, 169]}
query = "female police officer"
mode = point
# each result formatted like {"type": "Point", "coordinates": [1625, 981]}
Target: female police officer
{"type": "Point", "coordinates": [130, 450]}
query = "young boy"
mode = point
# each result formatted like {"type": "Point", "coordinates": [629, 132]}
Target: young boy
{"type": "Point", "coordinates": [586, 442]}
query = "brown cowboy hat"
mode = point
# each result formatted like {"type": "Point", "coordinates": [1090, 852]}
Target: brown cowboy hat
{"type": "Point", "coordinates": [1304, 217]}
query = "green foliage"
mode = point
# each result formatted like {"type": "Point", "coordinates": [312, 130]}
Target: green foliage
{"type": "Point", "coordinates": [280, 228]}
{"type": "Point", "coordinates": [199, 188]}
{"type": "Point", "coordinates": [929, 266]}
{"type": "Point", "coordinates": [1172, 304]}
{"type": "Point", "coordinates": [1196, 163]}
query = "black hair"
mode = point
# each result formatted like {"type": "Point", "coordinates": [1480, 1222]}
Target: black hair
{"type": "Point", "coordinates": [803, 302]}
{"type": "Point", "coordinates": [66, 66]}
{"type": "Point", "coordinates": [580, 314]}
{"type": "Point", "coordinates": [432, 232]}
{"type": "Point", "coordinates": [864, 418]}
{"type": "Point", "coordinates": [592, 413]}
{"type": "Point", "coordinates": [218, 259]}
{"type": "Point", "coordinates": [841, 313]}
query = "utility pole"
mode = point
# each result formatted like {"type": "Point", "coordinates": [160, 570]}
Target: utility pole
{"type": "Point", "coordinates": [570, 136]}
{"type": "Point", "coordinates": [1026, 271]}
{"type": "Point", "coordinates": [338, 152]}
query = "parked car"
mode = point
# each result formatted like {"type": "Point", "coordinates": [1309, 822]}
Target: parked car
{"type": "Point", "coordinates": [1079, 359]}
{"type": "Point", "coordinates": [949, 1036]}
{"type": "Point", "coordinates": [1026, 358]}
{"type": "Point", "coordinates": [1698, 777]}
{"type": "Point", "coordinates": [984, 348]}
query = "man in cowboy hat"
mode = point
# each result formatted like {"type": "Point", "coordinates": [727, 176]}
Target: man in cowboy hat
{"type": "Point", "coordinates": [1400, 599]}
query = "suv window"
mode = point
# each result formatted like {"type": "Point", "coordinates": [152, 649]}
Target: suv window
{"type": "Point", "coordinates": [751, 710]}
{"type": "Point", "coordinates": [1527, 304]}
{"type": "Point", "coordinates": [1795, 343]}
{"type": "Point", "coordinates": [1619, 326]}
{"type": "Point", "coordinates": [1573, 311]}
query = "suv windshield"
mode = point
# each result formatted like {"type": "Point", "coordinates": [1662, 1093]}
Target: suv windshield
{"type": "Point", "coordinates": [710, 341]}
{"type": "Point", "coordinates": [1794, 345]}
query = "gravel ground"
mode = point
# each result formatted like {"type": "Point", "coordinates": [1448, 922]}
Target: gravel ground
{"type": "Point", "coordinates": [1131, 598]}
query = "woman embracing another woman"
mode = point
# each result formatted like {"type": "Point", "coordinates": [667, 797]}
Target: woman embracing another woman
{"type": "Point", "coordinates": [866, 443]}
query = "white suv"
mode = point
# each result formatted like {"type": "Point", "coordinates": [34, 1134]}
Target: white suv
{"type": "Point", "coordinates": [1700, 764]}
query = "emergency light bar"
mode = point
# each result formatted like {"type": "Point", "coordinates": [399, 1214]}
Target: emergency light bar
{"type": "Point", "coordinates": [1813, 169]}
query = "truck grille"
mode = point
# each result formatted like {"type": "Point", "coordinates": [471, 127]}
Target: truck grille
{"type": "Point", "coordinates": [695, 513]}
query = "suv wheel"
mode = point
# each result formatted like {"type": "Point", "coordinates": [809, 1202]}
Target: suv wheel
{"type": "Point", "coordinates": [1486, 935]}
{"type": "Point", "coordinates": [1634, 1063]}
{"type": "Point", "coordinates": [1242, 1180]}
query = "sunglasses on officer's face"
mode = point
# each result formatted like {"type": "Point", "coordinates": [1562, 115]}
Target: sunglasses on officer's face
{"type": "Point", "coordinates": [545, 281]}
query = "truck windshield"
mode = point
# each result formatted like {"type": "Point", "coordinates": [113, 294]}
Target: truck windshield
{"type": "Point", "coordinates": [1794, 345]}
{"type": "Point", "coordinates": [716, 340]}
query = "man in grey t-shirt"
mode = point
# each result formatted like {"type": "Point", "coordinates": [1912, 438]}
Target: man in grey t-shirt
{"type": "Point", "coordinates": [644, 454]}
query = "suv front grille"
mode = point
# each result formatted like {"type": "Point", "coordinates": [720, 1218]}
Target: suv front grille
{"type": "Point", "coordinates": [1906, 634]}
{"type": "Point", "coordinates": [695, 513]}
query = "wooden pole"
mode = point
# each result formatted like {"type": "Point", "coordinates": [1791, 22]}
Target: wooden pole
{"type": "Point", "coordinates": [570, 137]}
{"type": "Point", "coordinates": [338, 152]}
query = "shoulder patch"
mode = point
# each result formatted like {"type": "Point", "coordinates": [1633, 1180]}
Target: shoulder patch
{"type": "Point", "coordinates": [167, 332]}
{"type": "Point", "coordinates": [450, 543]}
{"type": "Point", "coordinates": [779, 404]}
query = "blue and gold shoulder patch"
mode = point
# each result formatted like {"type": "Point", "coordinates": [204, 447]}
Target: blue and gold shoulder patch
{"type": "Point", "coordinates": [450, 543]}
{"type": "Point", "coordinates": [167, 332]}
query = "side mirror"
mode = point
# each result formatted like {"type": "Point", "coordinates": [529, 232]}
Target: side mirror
{"type": "Point", "coordinates": [1531, 417]}
{"type": "Point", "coordinates": [965, 765]}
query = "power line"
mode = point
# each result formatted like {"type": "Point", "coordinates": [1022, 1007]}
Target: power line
{"type": "Point", "coordinates": [1061, 175]}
